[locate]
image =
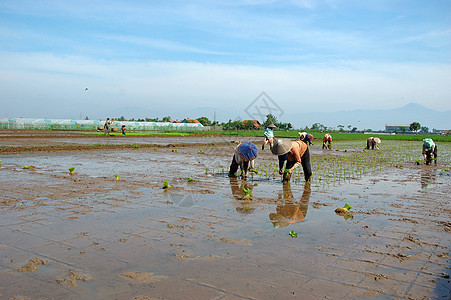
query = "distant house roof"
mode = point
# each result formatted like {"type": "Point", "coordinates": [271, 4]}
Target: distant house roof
{"type": "Point", "coordinates": [190, 121]}
{"type": "Point", "coordinates": [396, 127]}
{"type": "Point", "coordinates": [255, 122]}
{"type": "Point", "coordinates": [175, 121]}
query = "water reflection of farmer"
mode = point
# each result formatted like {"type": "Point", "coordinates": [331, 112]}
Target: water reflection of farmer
{"type": "Point", "coordinates": [427, 178]}
{"type": "Point", "coordinates": [372, 142]}
{"type": "Point", "coordinates": [269, 136]}
{"type": "Point", "coordinates": [289, 211]}
{"type": "Point", "coordinates": [238, 193]}
{"type": "Point", "coordinates": [244, 156]}
{"type": "Point", "coordinates": [296, 153]}
{"type": "Point", "coordinates": [429, 151]}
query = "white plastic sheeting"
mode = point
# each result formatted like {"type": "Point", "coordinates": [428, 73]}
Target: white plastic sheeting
{"type": "Point", "coordinates": [30, 123]}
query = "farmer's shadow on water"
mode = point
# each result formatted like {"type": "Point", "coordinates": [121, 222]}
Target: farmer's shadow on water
{"type": "Point", "coordinates": [290, 211]}
{"type": "Point", "coordinates": [428, 177]}
{"type": "Point", "coordinates": [244, 204]}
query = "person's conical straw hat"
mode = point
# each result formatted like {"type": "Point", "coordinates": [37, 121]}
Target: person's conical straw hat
{"type": "Point", "coordinates": [377, 140]}
{"type": "Point", "coordinates": [302, 135]}
{"type": "Point", "coordinates": [281, 146]}
{"type": "Point", "coordinates": [272, 126]}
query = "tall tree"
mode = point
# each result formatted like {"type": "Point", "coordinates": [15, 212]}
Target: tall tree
{"type": "Point", "coordinates": [204, 121]}
{"type": "Point", "coordinates": [415, 126]}
{"type": "Point", "coordinates": [270, 119]}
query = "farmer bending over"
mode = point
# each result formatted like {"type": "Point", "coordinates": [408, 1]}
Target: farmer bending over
{"type": "Point", "coordinates": [372, 142]}
{"type": "Point", "coordinates": [296, 153]}
{"type": "Point", "coordinates": [327, 141]}
{"type": "Point", "coordinates": [307, 138]}
{"type": "Point", "coordinates": [429, 150]}
{"type": "Point", "coordinates": [269, 136]}
{"type": "Point", "coordinates": [244, 156]}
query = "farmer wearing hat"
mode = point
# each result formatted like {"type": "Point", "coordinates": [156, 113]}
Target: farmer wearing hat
{"type": "Point", "coordinates": [306, 137]}
{"type": "Point", "coordinates": [269, 136]}
{"type": "Point", "coordinates": [327, 141]}
{"type": "Point", "coordinates": [244, 156]}
{"type": "Point", "coordinates": [296, 153]}
{"type": "Point", "coordinates": [372, 142]}
{"type": "Point", "coordinates": [429, 150]}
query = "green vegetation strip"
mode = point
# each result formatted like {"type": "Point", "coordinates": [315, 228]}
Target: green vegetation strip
{"type": "Point", "coordinates": [341, 135]}
{"type": "Point", "coordinates": [288, 134]}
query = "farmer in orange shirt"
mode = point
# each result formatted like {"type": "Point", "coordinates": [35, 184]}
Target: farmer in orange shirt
{"type": "Point", "coordinates": [296, 153]}
{"type": "Point", "coordinates": [327, 141]}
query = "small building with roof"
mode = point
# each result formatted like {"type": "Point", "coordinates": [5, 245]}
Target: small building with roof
{"type": "Point", "coordinates": [397, 128]}
{"type": "Point", "coordinates": [256, 123]}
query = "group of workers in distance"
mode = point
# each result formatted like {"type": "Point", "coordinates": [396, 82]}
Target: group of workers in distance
{"type": "Point", "coordinates": [296, 153]}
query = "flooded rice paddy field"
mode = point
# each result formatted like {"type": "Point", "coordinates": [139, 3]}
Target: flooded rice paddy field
{"type": "Point", "coordinates": [90, 236]}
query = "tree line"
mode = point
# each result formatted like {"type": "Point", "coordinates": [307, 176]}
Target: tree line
{"type": "Point", "coordinates": [271, 119]}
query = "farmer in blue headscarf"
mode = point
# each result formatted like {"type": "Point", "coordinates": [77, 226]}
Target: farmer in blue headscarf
{"type": "Point", "coordinates": [429, 150]}
{"type": "Point", "coordinates": [244, 156]}
{"type": "Point", "coordinates": [269, 136]}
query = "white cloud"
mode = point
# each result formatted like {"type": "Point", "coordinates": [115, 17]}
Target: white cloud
{"type": "Point", "coordinates": [36, 82]}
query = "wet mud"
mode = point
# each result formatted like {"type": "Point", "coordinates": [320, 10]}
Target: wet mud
{"type": "Point", "coordinates": [90, 235]}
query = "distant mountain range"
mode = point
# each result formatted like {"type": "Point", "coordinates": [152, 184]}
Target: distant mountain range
{"type": "Point", "coordinates": [362, 119]}
{"type": "Point", "coordinates": [375, 119]}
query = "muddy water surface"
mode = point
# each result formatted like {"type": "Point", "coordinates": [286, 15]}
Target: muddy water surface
{"type": "Point", "coordinates": [90, 236]}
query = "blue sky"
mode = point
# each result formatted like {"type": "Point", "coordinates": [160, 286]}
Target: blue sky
{"type": "Point", "coordinates": [196, 57]}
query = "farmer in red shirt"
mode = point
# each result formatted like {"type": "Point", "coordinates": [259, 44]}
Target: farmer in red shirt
{"type": "Point", "coordinates": [327, 141]}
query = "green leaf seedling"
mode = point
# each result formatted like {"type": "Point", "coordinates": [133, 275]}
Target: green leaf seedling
{"type": "Point", "coordinates": [293, 234]}
{"type": "Point", "coordinates": [117, 176]}
{"type": "Point", "coordinates": [166, 185]}
{"type": "Point", "coordinates": [247, 193]}
{"type": "Point", "coordinates": [343, 210]}
{"type": "Point", "coordinates": [190, 179]}
{"type": "Point", "coordinates": [71, 170]}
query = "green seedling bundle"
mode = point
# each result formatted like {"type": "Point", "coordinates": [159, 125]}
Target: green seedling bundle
{"type": "Point", "coordinates": [247, 193]}
{"type": "Point", "coordinates": [166, 185]}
